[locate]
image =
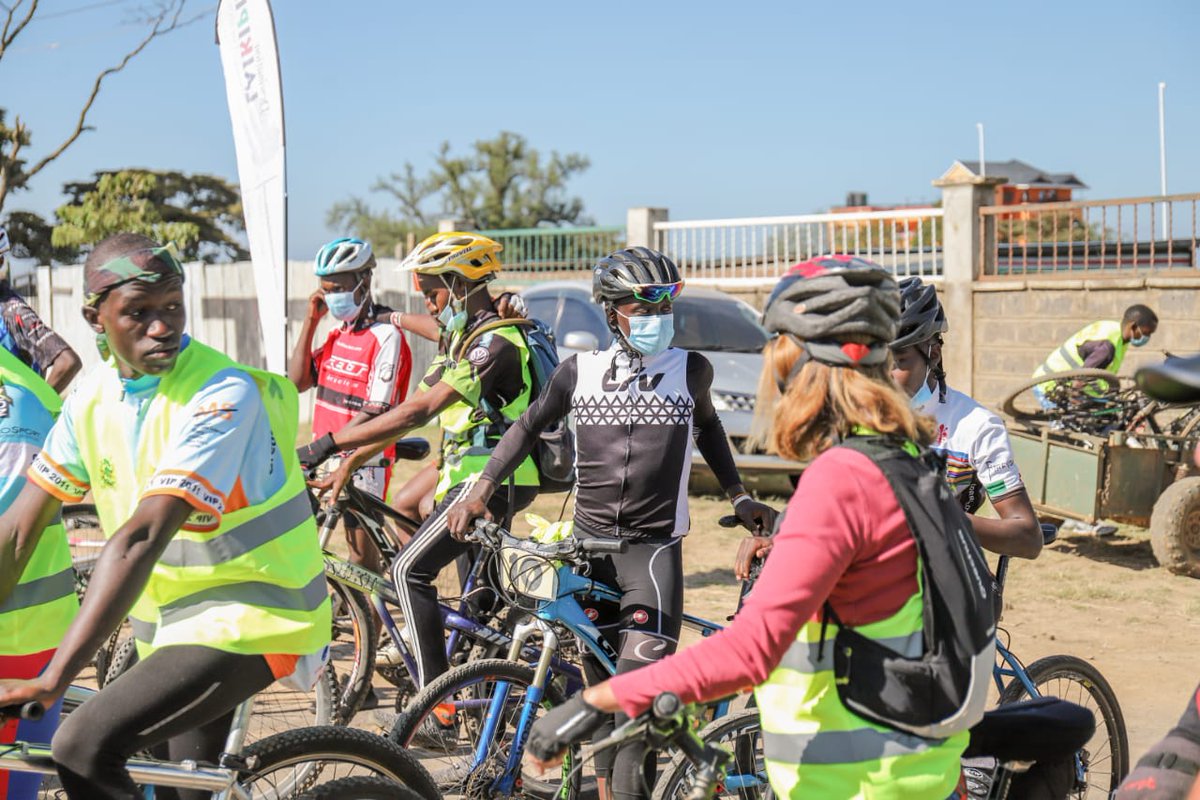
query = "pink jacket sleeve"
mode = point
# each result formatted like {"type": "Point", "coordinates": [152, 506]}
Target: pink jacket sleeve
{"type": "Point", "coordinates": [822, 532]}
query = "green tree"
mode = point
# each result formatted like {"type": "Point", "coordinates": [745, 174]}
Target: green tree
{"type": "Point", "coordinates": [502, 183]}
{"type": "Point", "coordinates": [208, 208]}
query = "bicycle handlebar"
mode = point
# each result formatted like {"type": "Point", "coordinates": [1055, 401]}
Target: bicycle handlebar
{"type": "Point", "coordinates": [492, 536]}
{"type": "Point", "coordinates": [30, 712]}
{"type": "Point", "coordinates": [667, 722]}
{"type": "Point", "coordinates": [603, 546]}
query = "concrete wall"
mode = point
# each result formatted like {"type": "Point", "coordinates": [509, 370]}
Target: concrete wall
{"type": "Point", "coordinates": [1019, 322]}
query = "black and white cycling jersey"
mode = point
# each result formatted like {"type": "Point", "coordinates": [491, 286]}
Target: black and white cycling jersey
{"type": "Point", "coordinates": [635, 422]}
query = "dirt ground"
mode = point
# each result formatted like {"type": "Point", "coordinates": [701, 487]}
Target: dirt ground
{"type": "Point", "coordinates": [1101, 599]}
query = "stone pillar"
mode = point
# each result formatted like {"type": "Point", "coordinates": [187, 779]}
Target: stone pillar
{"type": "Point", "coordinates": [639, 226]}
{"type": "Point", "coordinates": [448, 225]}
{"type": "Point", "coordinates": [963, 193]}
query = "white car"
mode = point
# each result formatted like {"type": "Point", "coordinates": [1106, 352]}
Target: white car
{"type": "Point", "coordinates": [726, 330]}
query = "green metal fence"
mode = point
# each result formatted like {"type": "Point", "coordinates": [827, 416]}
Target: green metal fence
{"type": "Point", "coordinates": [555, 252]}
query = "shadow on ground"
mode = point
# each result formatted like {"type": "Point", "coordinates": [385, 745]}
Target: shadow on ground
{"type": "Point", "coordinates": [1122, 551]}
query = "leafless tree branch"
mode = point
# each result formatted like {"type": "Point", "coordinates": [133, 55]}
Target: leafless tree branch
{"type": "Point", "coordinates": [10, 33]}
{"type": "Point", "coordinates": [166, 20]}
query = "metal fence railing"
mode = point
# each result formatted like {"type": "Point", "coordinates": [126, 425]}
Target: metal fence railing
{"type": "Point", "coordinates": [1069, 238]}
{"type": "Point", "coordinates": [760, 249]}
{"type": "Point", "coordinates": [544, 253]}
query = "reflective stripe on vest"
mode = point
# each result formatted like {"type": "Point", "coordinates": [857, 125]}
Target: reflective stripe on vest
{"type": "Point", "coordinates": [465, 445]}
{"type": "Point", "coordinates": [34, 617]}
{"type": "Point", "coordinates": [255, 584]}
{"type": "Point", "coordinates": [816, 747]}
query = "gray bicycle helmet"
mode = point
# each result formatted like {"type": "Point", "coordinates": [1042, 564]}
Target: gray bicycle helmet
{"type": "Point", "coordinates": [921, 314]}
{"type": "Point", "coordinates": [618, 275]}
{"type": "Point", "coordinates": [842, 310]}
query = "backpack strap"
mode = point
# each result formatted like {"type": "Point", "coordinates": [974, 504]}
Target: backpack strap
{"type": "Point", "coordinates": [474, 336]}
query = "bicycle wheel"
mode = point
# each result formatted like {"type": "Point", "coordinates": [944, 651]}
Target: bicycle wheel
{"type": "Point", "coordinates": [1106, 756]}
{"type": "Point", "coordinates": [444, 724]}
{"type": "Point", "coordinates": [276, 709]}
{"type": "Point", "coordinates": [746, 777]}
{"type": "Point", "coordinates": [291, 763]}
{"type": "Point", "coordinates": [352, 649]}
{"type": "Point", "coordinates": [361, 788]}
{"type": "Point", "coordinates": [1022, 405]}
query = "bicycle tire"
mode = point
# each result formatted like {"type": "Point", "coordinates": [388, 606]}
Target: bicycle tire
{"type": "Point", "coordinates": [276, 709]}
{"type": "Point", "coordinates": [1009, 405]}
{"type": "Point", "coordinates": [748, 768]}
{"type": "Point", "coordinates": [352, 647]}
{"type": "Point", "coordinates": [361, 788]}
{"type": "Point", "coordinates": [290, 763]}
{"type": "Point", "coordinates": [1048, 676]}
{"type": "Point", "coordinates": [473, 683]}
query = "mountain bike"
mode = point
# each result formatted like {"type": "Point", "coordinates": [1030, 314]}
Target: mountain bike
{"type": "Point", "coordinates": [1004, 745]}
{"type": "Point", "coordinates": [473, 720]}
{"type": "Point", "coordinates": [1100, 758]}
{"type": "Point", "coordinates": [281, 766]}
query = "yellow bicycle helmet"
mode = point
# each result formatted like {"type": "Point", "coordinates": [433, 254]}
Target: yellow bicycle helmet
{"type": "Point", "coordinates": [459, 252]}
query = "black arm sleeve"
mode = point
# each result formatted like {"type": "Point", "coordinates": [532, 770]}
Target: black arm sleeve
{"type": "Point", "coordinates": [551, 405]}
{"type": "Point", "coordinates": [709, 432]}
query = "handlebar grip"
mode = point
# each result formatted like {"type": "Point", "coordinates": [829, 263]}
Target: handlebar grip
{"type": "Point", "coordinates": [729, 521]}
{"type": "Point", "coordinates": [604, 545]}
{"type": "Point", "coordinates": [666, 706]}
{"type": "Point", "coordinates": [30, 712]}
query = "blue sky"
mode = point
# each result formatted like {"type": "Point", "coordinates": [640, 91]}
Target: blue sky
{"type": "Point", "coordinates": [709, 109]}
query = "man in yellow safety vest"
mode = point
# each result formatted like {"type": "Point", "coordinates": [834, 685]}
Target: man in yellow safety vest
{"type": "Point", "coordinates": [212, 551]}
{"type": "Point", "coordinates": [1100, 345]}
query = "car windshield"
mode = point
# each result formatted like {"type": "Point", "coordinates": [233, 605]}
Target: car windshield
{"type": "Point", "coordinates": [711, 323]}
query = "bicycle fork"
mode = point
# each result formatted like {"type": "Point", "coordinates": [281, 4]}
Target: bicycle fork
{"type": "Point", "coordinates": [493, 723]}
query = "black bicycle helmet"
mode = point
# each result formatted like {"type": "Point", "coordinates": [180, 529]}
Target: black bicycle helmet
{"type": "Point", "coordinates": [1176, 380]}
{"type": "Point", "coordinates": [921, 314]}
{"type": "Point", "coordinates": [842, 310]}
{"type": "Point", "coordinates": [616, 275]}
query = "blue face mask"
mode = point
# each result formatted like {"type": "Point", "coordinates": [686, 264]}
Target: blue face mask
{"type": "Point", "coordinates": [452, 321]}
{"type": "Point", "coordinates": [342, 305]}
{"type": "Point", "coordinates": [923, 394]}
{"type": "Point", "coordinates": [650, 335]}
{"type": "Point", "coordinates": [1140, 341]}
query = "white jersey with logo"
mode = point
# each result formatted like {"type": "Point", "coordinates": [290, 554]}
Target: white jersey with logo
{"type": "Point", "coordinates": [975, 444]}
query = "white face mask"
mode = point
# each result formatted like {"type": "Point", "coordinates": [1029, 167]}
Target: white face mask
{"type": "Point", "coordinates": [923, 394]}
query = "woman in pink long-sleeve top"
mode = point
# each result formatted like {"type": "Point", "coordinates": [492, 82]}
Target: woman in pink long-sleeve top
{"type": "Point", "coordinates": [843, 540]}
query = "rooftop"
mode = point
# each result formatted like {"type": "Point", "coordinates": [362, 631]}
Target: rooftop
{"type": "Point", "coordinates": [1019, 173]}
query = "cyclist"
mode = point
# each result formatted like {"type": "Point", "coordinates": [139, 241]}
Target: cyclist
{"type": "Point", "coordinates": [23, 333]}
{"type": "Point", "coordinates": [212, 550]}
{"type": "Point", "coordinates": [979, 461]}
{"type": "Point", "coordinates": [474, 395]}
{"type": "Point", "coordinates": [360, 371]}
{"type": "Point", "coordinates": [34, 613]}
{"type": "Point", "coordinates": [843, 540]}
{"type": "Point", "coordinates": [637, 408]}
{"type": "Point", "coordinates": [1100, 345]}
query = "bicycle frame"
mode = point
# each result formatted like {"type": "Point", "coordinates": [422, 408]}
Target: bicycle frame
{"type": "Point", "coordinates": [564, 610]}
{"type": "Point", "coordinates": [220, 780]}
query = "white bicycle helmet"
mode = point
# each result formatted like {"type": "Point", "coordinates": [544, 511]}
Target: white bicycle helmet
{"type": "Point", "coordinates": [344, 255]}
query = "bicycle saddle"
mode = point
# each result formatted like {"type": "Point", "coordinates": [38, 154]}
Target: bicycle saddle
{"type": "Point", "coordinates": [1042, 729]}
{"type": "Point", "coordinates": [1176, 380]}
{"type": "Point", "coordinates": [412, 449]}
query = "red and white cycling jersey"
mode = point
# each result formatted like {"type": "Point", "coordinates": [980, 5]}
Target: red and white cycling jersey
{"type": "Point", "coordinates": [359, 369]}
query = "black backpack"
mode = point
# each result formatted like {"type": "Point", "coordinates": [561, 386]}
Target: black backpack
{"type": "Point", "coordinates": [554, 454]}
{"type": "Point", "coordinates": [944, 692]}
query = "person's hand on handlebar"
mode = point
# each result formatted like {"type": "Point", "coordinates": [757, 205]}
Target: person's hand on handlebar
{"type": "Point", "coordinates": [751, 548]}
{"type": "Point", "coordinates": [755, 517]}
{"type": "Point", "coordinates": [336, 481]}
{"type": "Point", "coordinates": [19, 692]}
{"type": "Point", "coordinates": [462, 515]}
